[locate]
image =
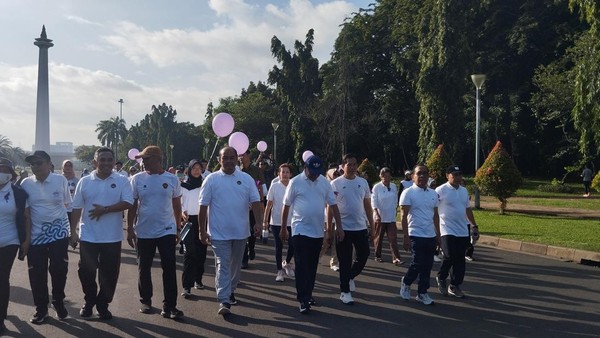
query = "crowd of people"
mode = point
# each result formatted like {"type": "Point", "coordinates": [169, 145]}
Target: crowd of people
{"type": "Point", "coordinates": [225, 210]}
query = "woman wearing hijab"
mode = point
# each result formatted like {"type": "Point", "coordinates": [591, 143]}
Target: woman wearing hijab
{"type": "Point", "coordinates": [195, 250]}
{"type": "Point", "coordinates": [15, 231]}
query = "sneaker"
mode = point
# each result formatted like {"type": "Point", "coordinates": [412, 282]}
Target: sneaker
{"type": "Point", "coordinates": [424, 298]}
{"type": "Point", "coordinates": [61, 310]}
{"type": "Point", "coordinates": [335, 267]}
{"type": "Point", "coordinates": [39, 317]}
{"type": "Point", "coordinates": [397, 261]}
{"type": "Point", "coordinates": [198, 285]}
{"type": "Point", "coordinates": [187, 293]}
{"type": "Point", "coordinates": [404, 290]}
{"type": "Point", "coordinates": [280, 277]}
{"type": "Point", "coordinates": [455, 291]}
{"type": "Point", "coordinates": [232, 299]}
{"type": "Point", "coordinates": [312, 302]}
{"type": "Point", "coordinates": [146, 308]}
{"type": "Point", "coordinates": [86, 311]}
{"type": "Point", "coordinates": [304, 307]}
{"type": "Point", "coordinates": [469, 258]}
{"type": "Point", "coordinates": [379, 259]}
{"type": "Point", "coordinates": [289, 269]}
{"type": "Point", "coordinates": [437, 258]}
{"type": "Point", "coordinates": [104, 313]}
{"type": "Point", "coordinates": [172, 313]}
{"type": "Point", "coordinates": [352, 285]}
{"type": "Point", "coordinates": [442, 286]}
{"type": "Point", "coordinates": [346, 298]}
{"type": "Point", "coordinates": [224, 309]}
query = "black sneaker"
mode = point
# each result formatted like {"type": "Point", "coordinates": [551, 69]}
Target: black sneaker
{"type": "Point", "coordinates": [61, 310]}
{"type": "Point", "coordinates": [104, 313]}
{"type": "Point", "coordinates": [146, 308]}
{"type": "Point", "coordinates": [172, 313]}
{"type": "Point", "coordinates": [304, 307]}
{"type": "Point", "coordinates": [199, 285]}
{"type": "Point", "coordinates": [442, 286]}
{"type": "Point", "coordinates": [86, 311]}
{"type": "Point", "coordinates": [224, 309]}
{"type": "Point", "coordinates": [312, 302]}
{"type": "Point", "coordinates": [232, 299]}
{"type": "Point", "coordinates": [39, 317]}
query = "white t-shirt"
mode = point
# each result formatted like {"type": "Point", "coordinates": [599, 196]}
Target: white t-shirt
{"type": "Point", "coordinates": [189, 201]}
{"type": "Point", "coordinates": [350, 196]}
{"type": "Point", "coordinates": [93, 190]}
{"type": "Point", "coordinates": [8, 222]}
{"type": "Point", "coordinates": [420, 217]}
{"type": "Point", "coordinates": [48, 202]}
{"type": "Point", "coordinates": [72, 185]}
{"type": "Point", "coordinates": [276, 194]}
{"type": "Point", "coordinates": [308, 198]}
{"type": "Point", "coordinates": [406, 184]}
{"type": "Point", "coordinates": [384, 200]}
{"type": "Point", "coordinates": [205, 173]}
{"type": "Point", "coordinates": [228, 198]}
{"type": "Point", "coordinates": [452, 210]}
{"type": "Point", "coordinates": [155, 194]}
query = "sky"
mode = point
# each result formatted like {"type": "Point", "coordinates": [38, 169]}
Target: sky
{"type": "Point", "coordinates": [185, 53]}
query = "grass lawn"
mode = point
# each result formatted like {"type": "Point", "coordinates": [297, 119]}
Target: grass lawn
{"type": "Point", "coordinates": [559, 231]}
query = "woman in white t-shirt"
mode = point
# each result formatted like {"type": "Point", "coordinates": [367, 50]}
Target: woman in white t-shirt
{"type": "Point", "coordinates": [14, 233]}
{"type": "Point", "coordinates": [275, 206]}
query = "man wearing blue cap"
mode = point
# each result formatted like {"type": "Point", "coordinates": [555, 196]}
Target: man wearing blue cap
{"type": "Point", "coordinates": [309, 193]}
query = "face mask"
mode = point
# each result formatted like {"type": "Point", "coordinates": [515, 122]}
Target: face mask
{"type": "Point", "coordinates": [5, 178]}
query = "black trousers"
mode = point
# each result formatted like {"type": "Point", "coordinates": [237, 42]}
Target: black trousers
{"type": "Point", "coordinates": [146, 249]}
{"type": "Point", "coordinates": [422, 251]}
{"type": "Point", "coordinates": [350, 268]}
{"type": "Point", "coordinates": [105, 258]}
{"type": "Point", "coordinates": [279, 247]}
{"type": "Point", "coordinates": [454, 258]}
{"type": "Point", "coordinates": [251, 240]}
{"type": "Point", "coordinates": [306, 259]}
{"type": "Point", "coordinates": [37, 260]}
{"type": "Point", "coordinates": [195, 256]}
{"type": "Point", "coordinates": [7, 258]}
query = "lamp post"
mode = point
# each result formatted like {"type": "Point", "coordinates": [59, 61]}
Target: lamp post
{"type": "Point", "coordinates": [171, 146]}
{"type": "Point", "coordinates": [275, 126]}
{"type": "Point", "coordinates": [121, 108]}
{"type": "Point", "coordinates": [478, 80]}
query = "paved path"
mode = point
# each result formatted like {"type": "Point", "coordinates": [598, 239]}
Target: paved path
{"type": "Point", "coordinates": [509, 294]}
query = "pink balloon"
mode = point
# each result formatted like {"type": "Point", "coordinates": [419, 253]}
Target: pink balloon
{"type": "Point", "coordinates": [239, 141]}
{"type": "Point", "coordinates": [132, 153]}
{"type": "Point", "coordinates": [222, 124]}
{"type": "Point", "coordinates": [261, 146]}
{"type": "Point", "coordinates": [306, 155]}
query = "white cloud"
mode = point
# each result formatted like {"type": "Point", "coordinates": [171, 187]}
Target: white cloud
{"type": "Point", "coordinates": [81, 20]}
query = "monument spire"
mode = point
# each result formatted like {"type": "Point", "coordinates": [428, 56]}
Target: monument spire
{"type": "Point", "coordinates": [42, 112]}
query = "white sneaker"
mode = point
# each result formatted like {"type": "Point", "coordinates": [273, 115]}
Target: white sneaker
{"type": "Point", "coordinates": [335, 267]}
{"type": "Point", "coordinates": [187, 293]}
{"type": "Point", "coordinates": [352, 285]}
{"type": "Point", "coordinates": [346, 298]}
{"type": "Point", "coordinates": [289, 269]}
{"type": "Point", "coordinates": [404, 290]}
{"type": "Point", "coordinates": [280, 277]}
{"type": "Point", "coordinates": [424, 298]}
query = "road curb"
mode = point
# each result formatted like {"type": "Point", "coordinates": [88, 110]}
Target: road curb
{"type": "Point", "coordinates": [567, 254]}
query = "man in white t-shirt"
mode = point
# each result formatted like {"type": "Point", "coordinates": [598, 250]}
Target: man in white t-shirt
{"type": "Point", "coordinates": [353, 198]}
{"type": "Point", "coordinates": [454, 212]}
{"type": "Point", "coordinates": [421, 229]}
{"type": "Point", "coordinates": [205, 171]}
{"type": "Point", "coordinates": [101, 197]}
{"type": "Point", "coordinates": [157, 209]}
{"type": "Point", "coordinates": [225, 196]}
{"type": "Point", "coordinates": [48, 201]}
{"type": "Point", "coordinates": [274, 207]}
{"type": "Point", "coordinates": [306, 197]}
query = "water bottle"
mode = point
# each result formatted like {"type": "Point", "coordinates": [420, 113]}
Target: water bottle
{"type": "Point", "coordinates": [265, 236]}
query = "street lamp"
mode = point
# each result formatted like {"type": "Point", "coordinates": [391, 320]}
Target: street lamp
{"type": "Point", "coordinates": [275, 126]}
{"type": "Point", "coordinates": [478, 80]}
{"type": "Point", "coordinates": [121, 108]}
{"type": "Point", "coordinates": [171, 146]}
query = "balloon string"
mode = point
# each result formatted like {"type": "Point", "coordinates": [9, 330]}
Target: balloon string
{"type": "Point", "coordinates": [213, 152]}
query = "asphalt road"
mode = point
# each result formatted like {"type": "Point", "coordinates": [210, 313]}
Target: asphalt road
{"type": "Point", "coordinates": [508, 295]}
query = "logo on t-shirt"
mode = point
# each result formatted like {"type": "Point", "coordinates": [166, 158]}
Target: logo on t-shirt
{"type": "Point", "coordinates": [239, 182]}
{"type": "Point", "coordinates": [165, 186]}
{"type": "Point", "coordinates": [113, 185]}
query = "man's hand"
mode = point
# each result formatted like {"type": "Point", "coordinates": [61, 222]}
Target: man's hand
{"type": "Point", "coordinates": [204, 238]}
{"type": "Point", "coordinates": [328, 239]}
{"type": "Point", "coordinates": [283, 234]}
{"type": "Point", "coordinates": [131, 237]}
{"type": "Point", "coordinates": [339, 233]}
{"type": "Point", "coordinates": [24, 250]}
{"type": "Point", "coordinates": [98, 211]}
{"type": "Point", "coordinates": [74, 240]}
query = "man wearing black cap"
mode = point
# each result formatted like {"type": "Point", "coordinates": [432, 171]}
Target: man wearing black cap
{"type": "Point", "coordinates": [49, 198]}
{"type": "Point", "coordinates": [454, 212]}
{"type": "Point", "coordinates": [309, 192]}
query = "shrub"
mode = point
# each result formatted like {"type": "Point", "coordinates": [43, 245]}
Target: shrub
{"type": "Point", "coordinates": [367, 167]}
{"type": "Point", "coordinates": [498, 176]}
{"type": "Point", "coordinates": [558, 188]}
{"type": "Point", "coordinates": [437, 164]}
{"type": "Point", "coordinates": [596, 182]}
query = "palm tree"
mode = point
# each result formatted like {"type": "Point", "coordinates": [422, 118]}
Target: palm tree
{"type": "Point", "coordinates": [111, 132]}
{"type": "Point", "coordinates": [15, 154]}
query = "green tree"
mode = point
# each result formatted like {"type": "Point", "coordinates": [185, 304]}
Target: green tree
{"type": "Point", "coordinates": [85, 153]}
{"type": "Point", "coordinates": [498, 176]}
{"type": "Point", "coordinates": [368, 171]}
{"type": "Point", "coordinates": [111, 132]}
{"type": "Point", "coordinates": [15, 154]}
